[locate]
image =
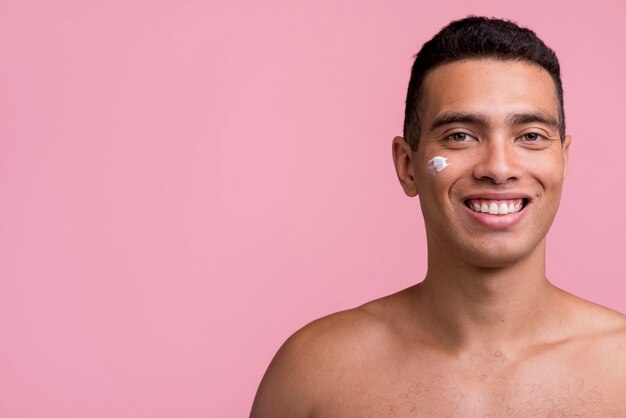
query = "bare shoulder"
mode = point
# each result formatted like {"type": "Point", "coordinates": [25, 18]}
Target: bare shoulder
{"type": "Point", "coordinates": [323, 356]}
{"type": "Point", "coordinates": [595, 320]}
{"type": "Point", "coordinates": [600, 339]}
{"type": "Point", "coordinates": [605, 340]}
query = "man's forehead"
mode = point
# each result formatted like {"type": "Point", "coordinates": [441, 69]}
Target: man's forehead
{"type": "Point", "coordinates": [496, 89]}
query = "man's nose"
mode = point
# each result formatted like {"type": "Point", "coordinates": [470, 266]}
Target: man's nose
{"type": "Point", "coordinates": [498, 162]}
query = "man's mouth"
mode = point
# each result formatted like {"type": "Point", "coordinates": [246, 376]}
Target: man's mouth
{"type": "Point", "coordinates": [496, 207]}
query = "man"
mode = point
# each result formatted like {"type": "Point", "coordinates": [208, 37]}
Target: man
{"type": "Point", "coordinates": [485, 333]}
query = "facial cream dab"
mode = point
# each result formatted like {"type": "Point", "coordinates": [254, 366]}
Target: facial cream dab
{"type": "Point", "coordinates": [437, 164]}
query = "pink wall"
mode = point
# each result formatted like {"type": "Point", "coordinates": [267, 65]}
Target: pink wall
{"type": "Point", "coordinates": [184, 184]}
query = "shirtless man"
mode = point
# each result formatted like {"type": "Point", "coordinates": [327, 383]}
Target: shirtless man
{"type": "Point", "coordinates": [485, 333]}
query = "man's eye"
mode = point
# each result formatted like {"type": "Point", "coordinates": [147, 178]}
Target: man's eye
{"type": "Point", "coordinates": [531, 137]}
{"type": "Point", "coordinates": [458, 137]}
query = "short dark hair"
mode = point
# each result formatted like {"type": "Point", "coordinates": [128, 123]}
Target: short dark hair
{"type": "Point", "coordinates": [477, 37]}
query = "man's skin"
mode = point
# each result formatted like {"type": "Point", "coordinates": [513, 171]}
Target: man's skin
{"type": "Point", "coordinates": [485, 333]}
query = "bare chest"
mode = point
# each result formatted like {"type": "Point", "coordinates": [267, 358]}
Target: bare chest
{"type": "Point", "coordinates": [547, 389]}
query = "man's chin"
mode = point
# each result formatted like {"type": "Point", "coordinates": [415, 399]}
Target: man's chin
{"type": "Point", "coordinates": [495, 256]}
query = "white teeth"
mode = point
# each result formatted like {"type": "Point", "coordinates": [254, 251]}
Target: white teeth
{"type": "Point", "coordinates": [495, 208]}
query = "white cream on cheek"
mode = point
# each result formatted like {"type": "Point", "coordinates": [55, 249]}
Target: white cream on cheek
{"type": "Point", "coordinates": [437, 164]}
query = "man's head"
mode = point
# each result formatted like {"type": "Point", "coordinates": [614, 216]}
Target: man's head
{"type": "Point", "coordinates": [492, 152]}
{"type": "Point", "coordinates": [475, 38]}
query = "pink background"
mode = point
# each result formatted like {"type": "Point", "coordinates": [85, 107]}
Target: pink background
{"type": "Point", "coordinates": [184, 184]}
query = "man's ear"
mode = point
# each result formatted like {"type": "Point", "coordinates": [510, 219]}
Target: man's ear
{"type": "Point", "coordinates": [403, 161]}
{"type": "Point", "coordinates": [566, 143]}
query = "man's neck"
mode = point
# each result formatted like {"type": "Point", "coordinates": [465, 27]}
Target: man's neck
{"type": "Point", "coordinates": [470, 308]}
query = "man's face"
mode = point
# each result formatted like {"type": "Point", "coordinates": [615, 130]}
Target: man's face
{"type": "Point", "coordinates": [493, 123]}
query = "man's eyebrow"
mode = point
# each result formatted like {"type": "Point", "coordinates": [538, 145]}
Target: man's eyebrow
{"type": "Point", "coordinates": [458, 117]}
{"type": "Point", "coordinates": [512, 119]}
{"type": "Point", "coordinates": [532, 117]}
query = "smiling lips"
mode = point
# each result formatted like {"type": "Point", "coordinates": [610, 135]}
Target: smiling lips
{"type": "Point", "coordinates": [496, 213]}
{"type": "Point", "coordinates": [495, 207]}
